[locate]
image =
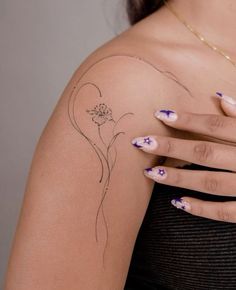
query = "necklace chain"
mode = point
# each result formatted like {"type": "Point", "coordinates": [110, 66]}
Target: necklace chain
{"type": "Point", "coordinates": [198, 35]}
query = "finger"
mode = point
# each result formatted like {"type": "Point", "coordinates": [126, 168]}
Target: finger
{"type": "Point", "coordinates": [228, 104]}
{"type": "Point", "coordinates": [220, 211]}
{"type": "Point", "coordinates": [205, 153]}
{"type": "Point", "coordinates": [212, 182]}
{"type": "Point", "coordinates": [218, 126]}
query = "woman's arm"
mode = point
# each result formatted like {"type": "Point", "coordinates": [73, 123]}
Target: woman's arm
{"type": "Point", "coordinates": [86, 193]}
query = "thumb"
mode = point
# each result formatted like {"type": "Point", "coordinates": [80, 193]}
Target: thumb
{"type": "Point", "coordinates": [228, 104]}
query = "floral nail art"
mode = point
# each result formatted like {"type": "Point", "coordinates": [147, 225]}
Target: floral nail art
{"type": "Point", "coordinates": [181, 204]}
{"type": "Point", "coordinates": [157, 173]}
{"type": "Point", "coordinates": [146, 142]}
{"type": "Point", "coordinates": [166, 115]}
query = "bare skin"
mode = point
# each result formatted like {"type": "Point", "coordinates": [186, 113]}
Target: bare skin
{"type": "Point", "coordinates": [64, 236]}
{"type": "Point", "coordinates": [207, 72]}
{"type": "Point", "coordinates": [205, 181]}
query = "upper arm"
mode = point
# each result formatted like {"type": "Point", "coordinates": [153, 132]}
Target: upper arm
{"type": "Point", "coordinates": [86, 194]}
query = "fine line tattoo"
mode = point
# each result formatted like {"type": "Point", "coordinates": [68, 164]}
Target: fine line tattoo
{"type": "Point", "coordinates": [101, 115]}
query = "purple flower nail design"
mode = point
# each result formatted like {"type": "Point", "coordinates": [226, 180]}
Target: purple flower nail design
{"type": "Point", "coordinates": [157, 173]}
{"type": "Point", "coordinates": [161, 172]}
{"type": "Point", "coordinates": [145, 143]}
{"type": "Point", "coordinates": [181, 204]}
{"type": "Point", "coordinates": [147, 140]}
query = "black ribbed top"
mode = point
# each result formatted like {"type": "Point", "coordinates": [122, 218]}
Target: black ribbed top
{"type": "Point", "coordinates": [178, 251]}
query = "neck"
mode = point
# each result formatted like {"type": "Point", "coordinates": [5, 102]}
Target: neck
{"type": "Point", "coordinates": [214, 19]}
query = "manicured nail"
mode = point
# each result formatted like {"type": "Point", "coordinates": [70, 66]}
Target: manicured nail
{"type": "Point", "coordinates": [227, 99]}
{"type": "Point", "coordinates": [166, 115]}
{"type": "Point", "coordinates": [157, 173]}
{"type": "Point", "coordinates": [145, 143]}
{"type": "Point", "coordinates": [181, 204]}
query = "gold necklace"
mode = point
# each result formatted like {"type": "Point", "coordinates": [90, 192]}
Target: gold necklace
{"type": "Point", "coordinates": [199, 36]}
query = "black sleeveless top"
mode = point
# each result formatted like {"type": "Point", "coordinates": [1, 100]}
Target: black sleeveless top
{"type": "Point", "coordinates": [175, 250]}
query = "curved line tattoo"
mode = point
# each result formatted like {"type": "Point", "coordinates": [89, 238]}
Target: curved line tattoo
{"type": "Point", "coordinates": [99, 132]}
{"type": "Point", "coordinates": [113, 162]}
{"type": "Point", "coordinates": [100, 115]}
{"type": "Point", "coordinates": [107, 181]}
{"type": "Point", "coordinates": [76, 126]}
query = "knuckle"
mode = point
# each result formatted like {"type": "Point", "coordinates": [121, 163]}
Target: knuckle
{"type": "Point", "coordinates": [168, 146]}
{"type": "Point", "coordinates": [178, 178]}
{"type": "Point", "coordinates": [198, 211]}
{"type": "Point", "coordinates": [211, 184]}
{"type": "Point", "coordinates": [215, 122]}
{"type": "Point", "coordinates": [186, 118]}
{"type": "Point", "coordinates": [203, 152]}
{"type": "Point", "coordinates": [224, 214]}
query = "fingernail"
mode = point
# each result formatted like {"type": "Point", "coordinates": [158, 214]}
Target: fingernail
{"type": "Point", "coordinates": [227, 99]}
{"type": "Point", "coordinates": [157, 173]}
{"type": "Point", "coordinates": [166, 115]}
{"type": "Point", "coordinates": [146, 142]}
{"type": "Point", "coordinates": [181, 204]}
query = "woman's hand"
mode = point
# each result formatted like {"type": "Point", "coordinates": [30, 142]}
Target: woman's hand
{"type": "Point", "coordinates": [211, 154]}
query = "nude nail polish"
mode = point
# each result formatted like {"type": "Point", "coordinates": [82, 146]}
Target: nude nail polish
{"type": "Point", "coordinates": [145, 142]}
{"type": "Point", "coordinates": [181, 204]}
{"type": "Point", "coordinates": [227, 99]}
{"type": "Point", "coordinates": [166, 115]}
{"type": "Point", "coordinates": [157, 173]}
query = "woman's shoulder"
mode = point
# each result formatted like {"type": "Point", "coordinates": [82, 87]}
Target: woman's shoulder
{"type": "Point", "coordinates": [86, 181]}
{"type": "Point", "coordinates": [133, 64]}
{"type": "Point", "coordinates": [128, 46]}
{"type": "Point", "coordinates": [128, 71]}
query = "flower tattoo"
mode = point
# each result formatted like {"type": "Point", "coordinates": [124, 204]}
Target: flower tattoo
{"type": "Point", "coordinates": [101, 113]}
